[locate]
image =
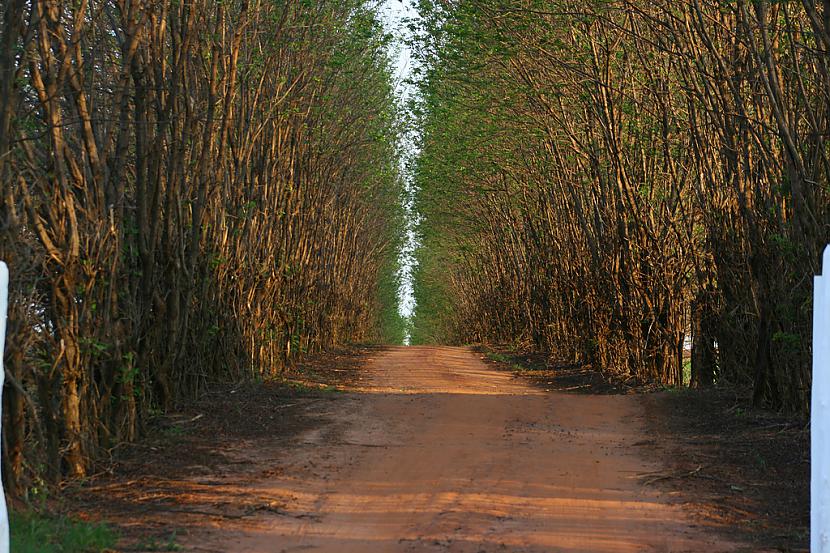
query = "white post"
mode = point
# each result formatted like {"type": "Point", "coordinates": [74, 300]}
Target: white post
{"type": "Point", "coordinates": [4, 307]}
{"type": "Point", "coordinates": [820, 414]}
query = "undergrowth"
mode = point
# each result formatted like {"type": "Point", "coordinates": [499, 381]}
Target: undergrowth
{"type": "Point", "coordinates": [35, 533]}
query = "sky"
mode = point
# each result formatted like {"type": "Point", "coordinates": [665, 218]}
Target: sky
{"type": "Point", "coordinates": [395, 13]}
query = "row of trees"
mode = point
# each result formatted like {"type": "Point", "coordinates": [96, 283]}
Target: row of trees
{"type": "Point", "coordinates": [606, 179]}
{"type": "Point", "coordinates": [192, 192]}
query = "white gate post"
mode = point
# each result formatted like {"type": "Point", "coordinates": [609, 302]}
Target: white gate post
{"type": "Point", "coordinates": [820, 414]}
{"type": "Point", "coordinates": [4, 305]}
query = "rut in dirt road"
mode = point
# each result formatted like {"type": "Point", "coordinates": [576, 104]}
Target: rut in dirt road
{"type": "Point", "coordinates": [436, 451]}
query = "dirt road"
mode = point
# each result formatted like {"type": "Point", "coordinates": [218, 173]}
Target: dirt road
{"type": "Point", "coordinates": [437, 451]}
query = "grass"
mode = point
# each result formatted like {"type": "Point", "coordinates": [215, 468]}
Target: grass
{"type": "Point", "coordinates": [498, 357]}
{"type": "Point", "coordinates": [510, 361]}
{"type": "Point", "coordinates": [174, 431]}
{"type": "Point", "coordinates": [505, 360]}
{"type": "Point", "coordinates": [35, 533]}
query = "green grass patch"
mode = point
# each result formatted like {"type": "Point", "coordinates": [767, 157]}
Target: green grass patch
{"type": "Point", "coordinates": [174, 431]}
{"type": "Point", "coordinates": [516, 362]}
{"type": "Point", "coordinates": [35, 533]}
{"type": "Point", "coordinates": [498, 357]}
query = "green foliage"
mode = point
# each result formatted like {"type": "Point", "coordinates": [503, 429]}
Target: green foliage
{"type": "Point", "coordinates": [585, 184]}
{"type": "Point", "coordinates": [392, 327]}
{"type": "Point", "coordinates": [35, 533]}
{"type": "Point", "coordinates": [259, 220]}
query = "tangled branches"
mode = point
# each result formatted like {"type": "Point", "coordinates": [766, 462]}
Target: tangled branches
{"type": "Point", "coordinates": [623, 175]}
{"type": "Point", "coordinates": [192, 192]}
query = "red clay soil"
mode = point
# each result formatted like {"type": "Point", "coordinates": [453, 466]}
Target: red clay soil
{"type": "Point", "coordinates": [427, 449]}
{"type": "Point", "coordinates": [744, 471]}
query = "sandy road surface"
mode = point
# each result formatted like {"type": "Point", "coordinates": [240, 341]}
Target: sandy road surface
{"type": "Point", "coordinates": [439, 452]}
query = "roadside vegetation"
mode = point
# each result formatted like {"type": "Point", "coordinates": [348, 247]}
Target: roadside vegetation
{"type": "Point", "coordinates": [196, 195]}
{"type": "Point", "coordinates": [34, 533]}
{"type": "Point", "coordinates": [611, 181]}
{"type": "Point", "coordinates": [193, 193]}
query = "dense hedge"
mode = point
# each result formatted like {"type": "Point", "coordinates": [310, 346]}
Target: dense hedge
{"type": "Point", "coordinates": [604, 179]}
{"type": "Point", "coordinates": [192, 192]}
